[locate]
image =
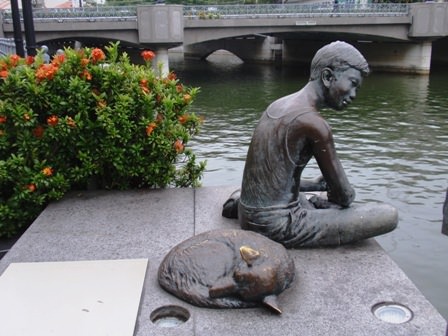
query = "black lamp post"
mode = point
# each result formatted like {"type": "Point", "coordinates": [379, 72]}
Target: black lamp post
{"type": "Point", "coordinates": [29, 27]}
{"type": "Point", "coordinates": [17, 27]}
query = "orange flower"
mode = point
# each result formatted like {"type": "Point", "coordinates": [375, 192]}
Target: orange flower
{"type": "Point", "coordinates": [144, 85]}
{"type": "Point", "coordinates": [38, 132]}
{"type": "Point", "coordinates": [14, 60]}
{"type": "Point", "coordinates": [84, 62]}
{"type": "Point", "coordinates": [150, 128]}
{"type": "Point", "coordinates": [102, 103]}
{"type": "Point", "coordinates": [29, 60]}
{"type": "Point", "coordinates": [86, 75]}
{"type": "Point", "coordinates": [183, 118]}
{"type": "Point", "coordinates": [47, 171]}
{"type": "Point", "coordinates": [179, 146]}
{"type": "Point", "coordinates": [58, 59]}
{"type": "Point", "coordinates": [3, 119]}
{"type": "Point", "coordinates": [179, 88]}
{"type": "Point", "coordinates": [71, 122]}
{"type": "Point", "coordinates": [3, 73]}
{"type": "Point", "coordinates": [98, 55]}
{"type": "Point", "coordinates": [46, 71]}
{"type": "Point", "coordinates": [187, 98]}
{"type": "Point", "coordinates": [148, 55]}
{"type": "Point", "coordinates": [31, 187]}
{"type": "Point", "coordinates": [52, 120]}
{"type": "Point", "coordinates": [172, 76]}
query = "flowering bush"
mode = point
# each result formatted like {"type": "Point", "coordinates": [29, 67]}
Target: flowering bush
{"type": "Point", "coordinates": [89, 116]}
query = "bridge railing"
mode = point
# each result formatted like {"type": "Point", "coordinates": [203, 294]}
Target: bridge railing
{"type": "Point", "coordinates": [83, 13]}
{"type": "Point", "coordinates": [223, 11]}
{"type": "Point", "coordinates": [7, 46]}
{"type": "Point", "coordinates": [296, 10]}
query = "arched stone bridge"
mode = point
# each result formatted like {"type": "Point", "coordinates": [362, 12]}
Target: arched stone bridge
{"type": "Point", "coordinates": [395, 37]}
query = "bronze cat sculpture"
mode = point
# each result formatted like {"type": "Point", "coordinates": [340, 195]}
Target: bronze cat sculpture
{"type": "Point", "coordinates": [227, 269]}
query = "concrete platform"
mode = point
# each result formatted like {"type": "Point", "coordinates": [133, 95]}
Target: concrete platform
{"type": "Point", "coordinates": [334, 291]}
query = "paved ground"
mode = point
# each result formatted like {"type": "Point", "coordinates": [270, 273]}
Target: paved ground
{"type": "Point", "coordinates": [333, 294]}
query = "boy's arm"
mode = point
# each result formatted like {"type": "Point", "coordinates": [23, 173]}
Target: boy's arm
{"type": "Point", "coordinates": [339, 190]}
{"type": "Point", "coordinates": [317, 184]}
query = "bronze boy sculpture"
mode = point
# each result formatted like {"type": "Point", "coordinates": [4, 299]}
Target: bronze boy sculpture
{"type": "Point", "coordinates": [290, 132]}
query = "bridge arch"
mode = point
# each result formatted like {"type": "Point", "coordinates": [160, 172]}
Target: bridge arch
{"type": "Point", "coordinates": [247, 48]}
{"type": "Point", "coordinates": [281, 46]}
{"type": "Point", "coordinates": [223, 56]}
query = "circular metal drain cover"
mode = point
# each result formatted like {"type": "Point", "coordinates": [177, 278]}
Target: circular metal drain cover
{"type": "Point", "coordinates": [392, 312]}
{"type": "Point", "coordinates": [169, 316]}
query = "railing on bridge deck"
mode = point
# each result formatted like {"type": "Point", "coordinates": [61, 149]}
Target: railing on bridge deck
{"type": "Point", "coordinates": [109, 13]}
{"type": "Point", "coordinates": [7, 46]}
{"type": "Point", "coordinates": [296, 10]}
{"type": "Point", "coordinates": [224, 11]}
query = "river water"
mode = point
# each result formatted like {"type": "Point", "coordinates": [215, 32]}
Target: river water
{"type": "Point", "coordinates": [392, 143]}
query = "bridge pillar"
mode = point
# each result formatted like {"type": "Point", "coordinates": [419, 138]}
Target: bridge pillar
{"type": "Point", "coordinates": [160, 27]}
{"type": "Point", "coordinates": [161, 62]}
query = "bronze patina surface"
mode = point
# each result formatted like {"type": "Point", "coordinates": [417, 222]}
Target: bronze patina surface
{"type": "Point", "coordinates": [228, 269]}
{"type": "Point", "coordinates": [290, 132]}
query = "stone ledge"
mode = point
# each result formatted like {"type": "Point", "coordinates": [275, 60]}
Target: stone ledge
{"type": "Point", "coordinates": [334, 291]}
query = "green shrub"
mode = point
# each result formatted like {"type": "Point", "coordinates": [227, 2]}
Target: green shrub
{"type": "Point", "coordinates": [89, 116]}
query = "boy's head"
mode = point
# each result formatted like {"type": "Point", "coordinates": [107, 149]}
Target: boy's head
{"type": "Point", "coordinates": [338, 56]}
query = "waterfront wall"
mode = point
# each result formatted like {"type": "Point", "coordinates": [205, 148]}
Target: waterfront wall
{"type": "Point", "coordinates": [398, 57]}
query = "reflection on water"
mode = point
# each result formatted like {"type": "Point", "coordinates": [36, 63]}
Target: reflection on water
{"type": "Point", "coordinates": [392, 143]}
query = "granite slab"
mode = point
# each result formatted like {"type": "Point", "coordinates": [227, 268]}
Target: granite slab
{"type": "Point", "coordinates": [334, 292]}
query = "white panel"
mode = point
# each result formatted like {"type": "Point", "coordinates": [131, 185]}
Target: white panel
{"type": "Point", "coordinates": [78, 298]}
